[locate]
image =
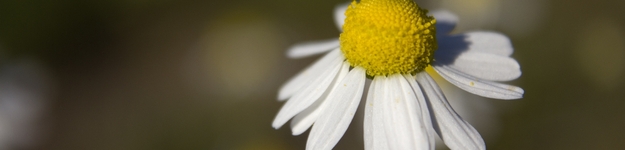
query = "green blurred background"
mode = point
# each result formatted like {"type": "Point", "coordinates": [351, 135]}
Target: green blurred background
{"type": "Point", "coordinates": [190, 74]}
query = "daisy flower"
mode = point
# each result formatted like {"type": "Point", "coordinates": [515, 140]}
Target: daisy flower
{"type": "Point", "coordinates": [392, 42]}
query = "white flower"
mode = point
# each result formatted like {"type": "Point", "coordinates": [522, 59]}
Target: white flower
{"type": "Point", "coordinates": [24, 89]}
{"type": "Point", "coordinates": [404, 108]}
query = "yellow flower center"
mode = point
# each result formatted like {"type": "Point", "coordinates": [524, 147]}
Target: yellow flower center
{"type": "Point", "coordinates": [388, 36]}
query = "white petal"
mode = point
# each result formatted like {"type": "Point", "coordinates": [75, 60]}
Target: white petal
{"type": "Point", "coordinates": [451, 47]}
{"type": "Point", "coordinates": [343, 101]}
{"type": "Point", "coordinates": [307, 76]}
{"type": "Point", "coordinates": [402, 116]}
{"type": "Point", "coordinates": [339, 15]}
{"type": "Point", "coordinates": [489, 42]}
{"type": "Point", "coordinates": [485, 66]}
{"type": "Point", "coordinates": [311, 48]}
{"type": "Point", "coordinates": [425, 110]}
{"type": "Point", "coordinates": [308, 95]}
{"type": "Point", "coordinates": [445, 21]}
{"type": "Point", "coordinates": [375, 136]}
{"type": "Point", "coordinates": [368, 123]}
{"type": "Point", "coordinates": [455, 132]}
{"type": "Point", "coordinates": [479, 87]}
{"type": "Point", "coordinates": [302, 121]}
{"type": "Point", "coordinates": [477, 41]}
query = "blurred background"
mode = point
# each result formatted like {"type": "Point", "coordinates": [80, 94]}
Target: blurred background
{"type": "Point", "coordinates": [186, 74]}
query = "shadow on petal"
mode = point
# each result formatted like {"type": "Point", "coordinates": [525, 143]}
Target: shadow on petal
{"type": "Point", "coordinates": [443, 28]}
{"type": "Point", "coordinates": [450, 47]}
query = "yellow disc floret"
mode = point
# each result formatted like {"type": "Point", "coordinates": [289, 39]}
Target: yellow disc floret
{"type": "Point", "coordinates": [388, 36]}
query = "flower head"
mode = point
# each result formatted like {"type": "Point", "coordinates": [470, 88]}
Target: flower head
{"type": "Point", "coordinates": [392, 42]}
{"type": "Point", "coordinates": [388, 37]}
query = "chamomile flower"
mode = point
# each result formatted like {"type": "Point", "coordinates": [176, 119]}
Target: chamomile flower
{"type": "Point", "coordinates": [392, 42]}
